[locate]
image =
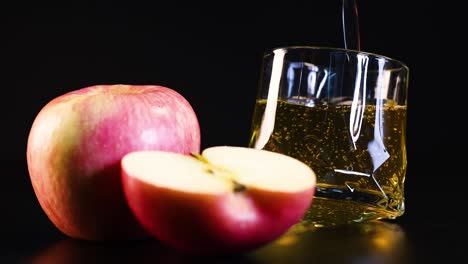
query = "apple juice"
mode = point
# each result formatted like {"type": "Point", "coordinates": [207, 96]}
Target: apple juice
{"type": "Point", "coordinates": [360, 173]}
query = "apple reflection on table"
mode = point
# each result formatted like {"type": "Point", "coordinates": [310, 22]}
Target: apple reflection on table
{"type": "Point", "coordinates": [370, 242]}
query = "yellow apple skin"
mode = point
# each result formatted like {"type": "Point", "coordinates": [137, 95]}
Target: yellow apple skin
{"type": "Point", "coordinates": [214, 224]}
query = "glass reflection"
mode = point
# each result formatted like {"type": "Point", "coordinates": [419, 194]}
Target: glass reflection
{"type": "Point", "coordinates": [369, 242]}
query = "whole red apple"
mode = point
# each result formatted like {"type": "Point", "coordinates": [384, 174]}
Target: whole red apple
{"type": "Point", "coordinates": [77, 141]}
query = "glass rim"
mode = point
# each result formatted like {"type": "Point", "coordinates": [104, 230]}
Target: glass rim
{"type": "Point", "coordinates": [325, 48]}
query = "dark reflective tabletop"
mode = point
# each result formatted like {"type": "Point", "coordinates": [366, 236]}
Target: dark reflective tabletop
{"type": "Point", "coordinates": [418, 236]}
{"type": "Point", "coordinates": [367, 243]}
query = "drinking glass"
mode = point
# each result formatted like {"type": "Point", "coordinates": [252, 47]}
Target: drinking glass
{"type": "Point", "coordinates": [343, 113]}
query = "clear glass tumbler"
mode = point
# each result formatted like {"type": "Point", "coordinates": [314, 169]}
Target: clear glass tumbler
{"type": "Point", "coordinates": [343, 113]}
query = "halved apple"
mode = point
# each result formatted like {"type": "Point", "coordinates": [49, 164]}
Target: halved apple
{"type": "Point", "coordinates": [226, 200]}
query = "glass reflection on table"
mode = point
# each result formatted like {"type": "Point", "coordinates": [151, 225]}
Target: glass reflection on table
{"type": "Point", "coordinates": [369, 242]}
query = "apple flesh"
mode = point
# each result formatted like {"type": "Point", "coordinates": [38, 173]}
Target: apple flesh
{"type": "Point", "coordinates": [76, 144]}
{"type": "Point", "coordinates": [226, 200]}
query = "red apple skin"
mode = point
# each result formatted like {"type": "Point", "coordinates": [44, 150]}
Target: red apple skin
{"type": "Point", "coordinates": [76, 143]}
{"type": "Point", "coordinates": [214, 224]}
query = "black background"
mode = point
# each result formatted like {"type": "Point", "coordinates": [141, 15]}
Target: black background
{"type": "Point", "coordinates": [211, 54]}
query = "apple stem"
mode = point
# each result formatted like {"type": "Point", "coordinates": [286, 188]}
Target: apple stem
{"type": "Point", "coordinates": [199, 157]}
{"type": "Point", "coordinates": [237, 187]}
